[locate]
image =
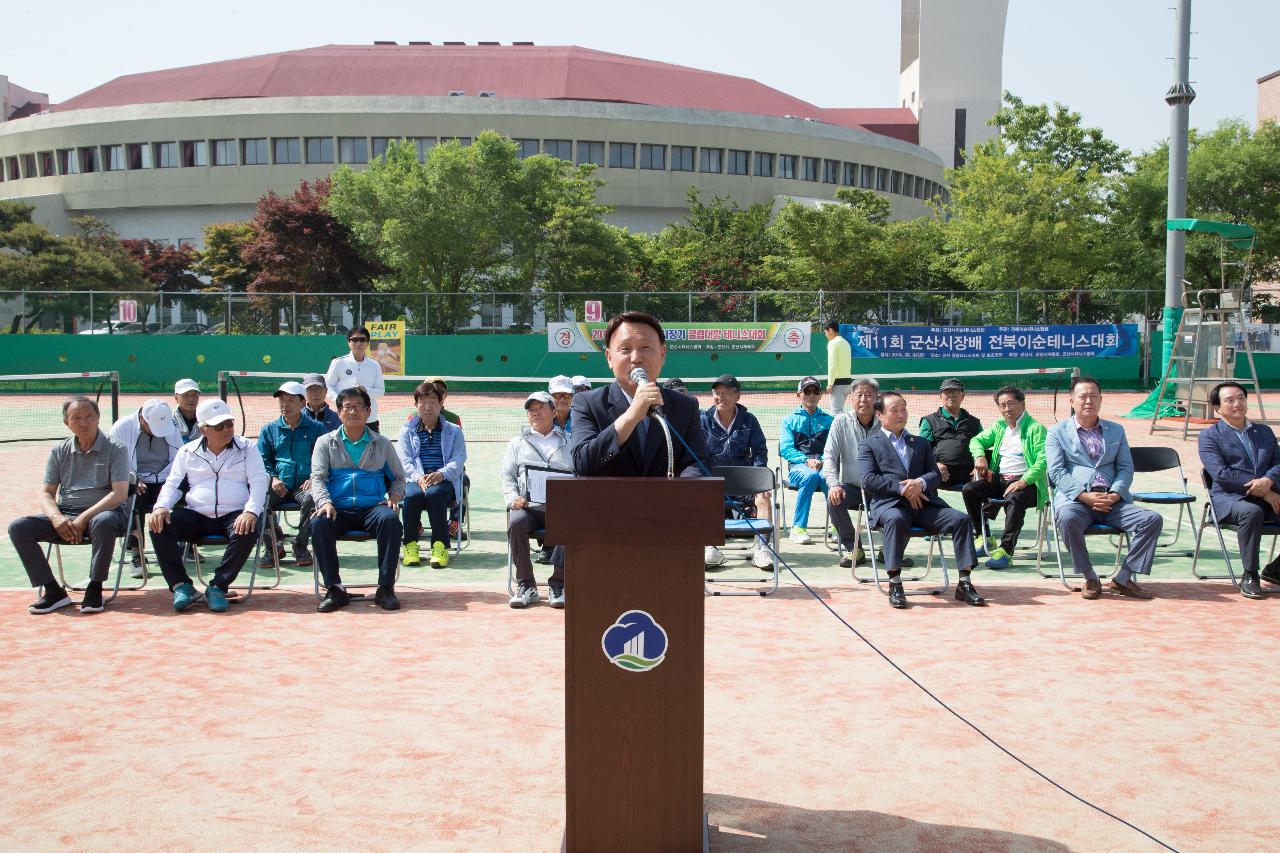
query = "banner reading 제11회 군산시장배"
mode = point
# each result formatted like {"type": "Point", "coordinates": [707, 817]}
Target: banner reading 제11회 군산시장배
{"type": "Point", "coordinates": [691, 337]}
{"type": "Point", "coordinates": [1100, 339]}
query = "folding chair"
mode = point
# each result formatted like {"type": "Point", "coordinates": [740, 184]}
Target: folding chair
{"type": "Point", "coordinates": [1048, 522]}
{"type": "Point", "coordinates": [270, 532]}
{"type": "Point", "coordinates": [217, 540]}
{"type": "Point", "coordinates": [350, 536]}
{"type": "Point", "coordinates": [864, 522]}
{"type": "Point", "coordinates": [461, 507]}
{"type": "Point", "coordinates": [536, 533]}
{"type": "Point", "coordinates": [133, 524]}
{"type": "Point", "coordinates": [748, 481]}
{"type": "Point", "coordinates": [1151, 460]}
{"type": "Point", "coordinates": [783, 472]}
{"type": "Point", "coordinates": [1210, 517]}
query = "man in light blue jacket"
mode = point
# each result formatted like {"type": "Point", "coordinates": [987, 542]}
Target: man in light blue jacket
{"type": "Point", "coordinates": [1091, 469]}
{"type": "Point", "coordinates": [432, 452]}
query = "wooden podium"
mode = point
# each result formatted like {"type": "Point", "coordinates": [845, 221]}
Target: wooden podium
{"type": "Point", "coordinates": [633, 657]}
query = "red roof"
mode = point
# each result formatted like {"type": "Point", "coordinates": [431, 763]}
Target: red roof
{"type": "Point", "coordinates": [898, 122]}
{"type": "Point", "coordinates": [510, 71]}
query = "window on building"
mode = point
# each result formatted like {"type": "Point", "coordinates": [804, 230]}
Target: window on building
{"type": "Point", "coordinates": [919, 187]}
{"type": "Point", "coordinates": [11, 168]}
{"type": "Point", "coordinates": [786, 166]}
{"type": "Point", "coordinates": [653, 157]}
{"type": "Point", "coordinates": [867, 179]}
{"type": "Point", "coordinates": [112, 158]}
{"type": "Point", "coordinates": [590, 153]}
{"type": "Point", "coordinates": [809, 168]}
{"type": "Point", "coordinates": [48, 165]}
{"type": "Point", "coordinates": [195, 152]}
{"type": "Point", "coordinates": [166, 155]}
{"type": "Point", "coordinates": [764, 164]}
{"type": "Point", "coordinates": [711, 160]}
{"type": "Point", "coordinates": [882, 180]}
{"type": "Point", "coordinates": [379, 145]}
{"type": "Point", "coordinates": [29, 166]}
{"type": "Point", "coordinates": [89, 160]}
{"type": "Point", "coordinates": [526, 148]}
{"type": "Point", "coordinates": [682, 158]}
{"type": "Point", "coordinates": [287, 150]}
{"type": "Point", "coordinates": [68, 162]}
{"type": "Point", "coordinates": [849, 175]}
{"type": "Point", "coordinates": [622, 155]}
{"type": "Point", "coordinates": [895, 182]}
{"type": "Point", "coordinates": [353, 149]}
{"type": "Point", "coordinates": [319, 149]}
{"type": "Point", "coordinates": [830, 172]}
{"type": "Point", "coordinates": [254, 152]}
{"type": "Point", "coordinates": [224, 152]}
{"type": "Point", "coordinates": [138, 155]}
{"type": "Point", "coordinates": [425, 144]}
{"type": "Point", "coordinates": [464, 141]}
{"type": "Point", "coordinates": [739, 162]}
{"type": "Point", "coordinates": [562, 148]}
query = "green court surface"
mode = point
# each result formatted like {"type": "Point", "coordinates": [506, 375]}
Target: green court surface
{"type": "Point", "coordinates": [483, 561]}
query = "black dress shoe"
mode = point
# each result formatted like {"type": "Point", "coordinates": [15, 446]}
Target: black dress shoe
{"type": "Point", "coordinates": [1271, 574]}
{"type": "Point", "coordinates": [966, 593]}
{"type": "Point", "coordinates": [385, 598]}
{"type": "Point", "coordinates": [1250, 587]}
{"type": "Point", "coordinates": [335, 598]}
{"type": "Point", "coordinates": [897, 596]}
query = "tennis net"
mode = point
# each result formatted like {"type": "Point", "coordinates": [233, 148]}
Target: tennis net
{"type": "Point", "coordinates": [491, 408]}
{"type": "Point", "coordinates": [33, 402]}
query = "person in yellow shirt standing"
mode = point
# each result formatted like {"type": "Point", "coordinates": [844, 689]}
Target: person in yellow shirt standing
{"type": "Point", "coordinates": [839, 366]}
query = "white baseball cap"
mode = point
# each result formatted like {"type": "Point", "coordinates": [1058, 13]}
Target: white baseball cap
{"type": "Point", "coordinates": [581, 383]}
{"type": "Point", "coordinates": [213, 412]}
{"type": "Point", "coordinates": [294, 388]}
{"type": "Point", "coordinates": [560, 385]}
{"type": "Point", "coordinates": [159, 418]}
{"type": "Point", "coordinates": [539, 397]}
{"type": "Point", "coordinates": [182, 386]}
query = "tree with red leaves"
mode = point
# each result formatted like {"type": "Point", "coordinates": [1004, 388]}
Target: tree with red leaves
{"type": "Point", "coordinates": [166, 266]}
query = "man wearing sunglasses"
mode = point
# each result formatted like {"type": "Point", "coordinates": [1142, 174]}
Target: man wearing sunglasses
{"type": "Point", "coordinates": [804, 438]}
{"type": "Point", "coordinates": [357, 370]}
{"type": "Point", "coordinates": [227, 488]}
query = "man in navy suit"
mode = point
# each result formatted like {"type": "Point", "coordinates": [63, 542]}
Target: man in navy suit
{"type": "Point", "coordinates": [900, 477]}
{"type": "Point", "coordinates": [1091, 468]}
{"type": "Point", "coordinates": [612, 433]}
{"type": "Point", "coordinates": [1241, 458]}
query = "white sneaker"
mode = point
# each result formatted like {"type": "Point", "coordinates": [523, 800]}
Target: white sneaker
{"type": "Point", "coordinates": [556, 597]}
{"type": "Point", "coordinates": [524, 597]}
{"type": "Point", "coordinates": [800, 536]}
{"type": "Point", "coordinates": [712, 556]}
{"type": "Point", "coordinates": [762, 559]}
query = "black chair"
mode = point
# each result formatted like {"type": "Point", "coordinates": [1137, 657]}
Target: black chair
{"type": "Point", "coordinates": [748, 481]}
{"type": "Point", "coordinates": [1152, 460]}
{"type": "Point", "coordinates": [1210, 518]}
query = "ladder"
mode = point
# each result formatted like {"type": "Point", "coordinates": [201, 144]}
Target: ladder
{"type": "Point", "coordinates": [1204, 354]}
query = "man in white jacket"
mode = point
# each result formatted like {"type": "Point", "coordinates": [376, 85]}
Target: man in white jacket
{"type": "Point", "coordinates": [226, 491]}
{"type": "Point", "coordinates": [150, 435]}
{"type": "Point", "coordinates": [542, 444]}
{"type": "Point", "coordinates": [357, 370]}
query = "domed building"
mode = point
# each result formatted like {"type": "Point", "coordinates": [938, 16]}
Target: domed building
{"type": "Point", "coordinates": [163, 153]}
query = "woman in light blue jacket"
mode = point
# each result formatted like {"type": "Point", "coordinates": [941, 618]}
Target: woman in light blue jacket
{"type": "Point", "coordinates": [433, 452]}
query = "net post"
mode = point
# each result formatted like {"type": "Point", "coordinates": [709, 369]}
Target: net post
{"type": "Point", "coordinates": [115, 396]}
{"type": "Point", "coordinates": [222, 385]}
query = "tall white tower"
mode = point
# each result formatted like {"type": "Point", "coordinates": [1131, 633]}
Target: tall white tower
{"type": "Point", "coordinates": [952, 57]}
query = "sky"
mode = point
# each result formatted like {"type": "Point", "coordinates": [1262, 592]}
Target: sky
{"type": "Point", "coordinates": [1106, 59]}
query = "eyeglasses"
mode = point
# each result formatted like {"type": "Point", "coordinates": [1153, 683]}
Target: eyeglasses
{"type": "Point", "coordinates": [220, 427]}
{"type": "Point", "coordinates": [353, 410]}
{"type": "Point", "coordinates": [357, 340]}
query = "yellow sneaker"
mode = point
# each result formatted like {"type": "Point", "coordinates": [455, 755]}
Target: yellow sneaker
{"type": "Point", "coordinates": [439, 555]}
{"type": "Point", "coordinates": [411, 555]}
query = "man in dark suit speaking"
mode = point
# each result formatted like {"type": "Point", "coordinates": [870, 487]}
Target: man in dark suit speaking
{"type": "Point", "coordinates": [612, 433]}
{"type": "Point", "coordinates": [900, 478]}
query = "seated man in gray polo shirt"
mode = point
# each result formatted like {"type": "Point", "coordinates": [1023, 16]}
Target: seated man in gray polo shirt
{"type": "Point", "coordinates": [86, 484]}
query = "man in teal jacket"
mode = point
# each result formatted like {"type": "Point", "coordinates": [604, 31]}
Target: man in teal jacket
{"type": "Point", "coordinates": [1016, 473]}
{"type": "Point", "coordinates": [804, 437]}
{"type": "Point", "coordinates": [286, 445]}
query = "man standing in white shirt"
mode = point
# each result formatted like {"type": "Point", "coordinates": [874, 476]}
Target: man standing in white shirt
{"type": "Point", "coordinates": [186, 397]}
{"type": "Point", "coordinates": [357, 370]}
{"type": "Point", "coordinates": [227, 488]}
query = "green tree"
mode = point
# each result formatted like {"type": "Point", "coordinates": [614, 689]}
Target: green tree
{"type": "Point", "coordinates": [222, 259]}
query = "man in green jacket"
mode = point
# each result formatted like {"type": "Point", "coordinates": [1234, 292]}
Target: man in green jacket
{"type": "Point", "coordinates": [1016, 473]}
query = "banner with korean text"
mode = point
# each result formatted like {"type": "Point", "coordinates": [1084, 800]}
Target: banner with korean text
{"type": "Point", "coordinates": [1087, 341]}
{"type": "Point", "coordinates": [691, 337]}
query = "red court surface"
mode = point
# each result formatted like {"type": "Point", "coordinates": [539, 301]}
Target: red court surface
{"type": "Point", "coordinates": [440, 727]}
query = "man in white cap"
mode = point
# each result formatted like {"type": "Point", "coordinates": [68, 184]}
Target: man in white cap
{"type": "Point", "coordinates": [151, 438]}
{"type": "Point", "coordinates": [186, 397]}
{"type": "Point", "coordinates": [580, 384]}
{"type": "Point", "coordinates": [543, 445]}
{"type": "Point", "coordinates": [317, 407]}
{"type": "Point", "coordinates": [561, 390]}
{"type": "Point", "coordinates": [286, 445]}
{"type": "Point", "coordinates": [227, 488]}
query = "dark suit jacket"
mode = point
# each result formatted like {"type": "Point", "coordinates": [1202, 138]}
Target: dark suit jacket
{"type": "Point", "coordinates": [1224, 458]}
{"type": "Point", "coordinates": [881, 470]}
{"type": "Point", "coordinates": [596, 452]}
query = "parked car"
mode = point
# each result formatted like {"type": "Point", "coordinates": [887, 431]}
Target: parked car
{"type": "Point", "coordinates": [114, 327]}
{"type": "Point", "coordinates": [216, 329]}
{"type": "Point", "coordinates": [184, 329]}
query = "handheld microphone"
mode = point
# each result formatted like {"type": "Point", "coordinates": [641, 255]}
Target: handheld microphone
{"type": "Point", "coordinates": [640, 376]}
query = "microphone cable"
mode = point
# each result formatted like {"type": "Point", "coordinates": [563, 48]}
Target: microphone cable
{"type": "Point", "coordinates": [762, 539]}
